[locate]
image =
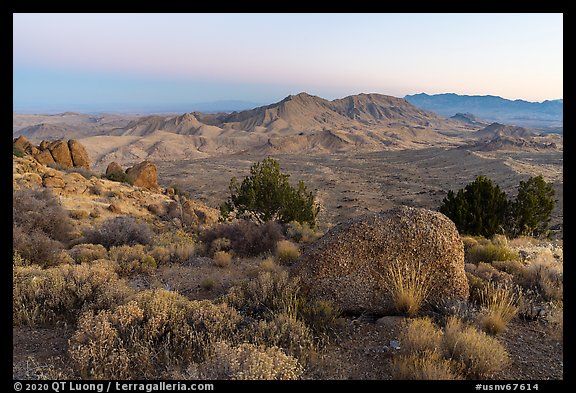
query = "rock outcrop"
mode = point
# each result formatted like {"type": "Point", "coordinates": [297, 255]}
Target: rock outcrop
{"type": "Point", "coordinates": [61, 153]}
{"type": "Point", "coordinates": [79, 154]}
{"type": "Point", "coordinates": [348, 265]}
{"type": "Point", "coordinates": [114, 167]}
{"type": "Point", "coordinates": [68, 154]}
{"type": "Point", "coordinates": [144, 175]}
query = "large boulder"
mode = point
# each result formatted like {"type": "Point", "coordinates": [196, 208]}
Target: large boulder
{"type": "Point", "coordinates": [113, 168]}
{"type": "Point", "coordinates": [22, 143]}
{"type": "Point", "coordinates": [79, 154]}
{"type": "Point", "coordinates": [44, 157]}
{"type": "Point", "coordinates": [53, 179]}
{"type": "Point", "coordinates": [144, 175]}
{"type": "Point", "coordinates": [61, 153]}
{"type": "Point", "coordinates": [348, 264]}
{"type": "Point", "coordinates": [43, 145]}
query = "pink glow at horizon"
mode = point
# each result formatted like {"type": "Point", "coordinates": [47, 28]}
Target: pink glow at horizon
{"type": "Point", "coordinates": [511, 55]}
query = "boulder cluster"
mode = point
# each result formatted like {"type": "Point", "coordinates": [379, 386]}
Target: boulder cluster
{"type": "Point", "coordinates": [68, 154]}
{"type": "Point", "coordinates": [143, 175]}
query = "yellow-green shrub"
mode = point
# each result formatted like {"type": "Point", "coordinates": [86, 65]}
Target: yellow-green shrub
{"type": "Point", "coordinates": [222, 258]}
{"type": "Point", "coordinates": [421, 335]}
{"type": "Point", "coordinates": [286, 252]}
{"type": "Point", "coordinates": [157, 330]}
{"type": "Point", "coordinates": [481, 355]}
{"type": "Point", "coordinates": [429, 365]}
{"type": "Point", "coordinates": [249, 362]}
{"type": "Point", "coordinates": [61, 293]}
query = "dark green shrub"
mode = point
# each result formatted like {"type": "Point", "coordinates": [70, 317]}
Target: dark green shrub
{"type": "Point", "coordinates": [532, 209]}
{"type": "Point", "coordinates": [16, 151]}
{"type": "Point", "coordinates": [266, 195]}
{"type": "Point", "coordinates": [120, 177]}
{"type": "Point", "coordinates": [479, 209]}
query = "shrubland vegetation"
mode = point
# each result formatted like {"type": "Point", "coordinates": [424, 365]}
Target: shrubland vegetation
{"type": "Point", "coordinates": [482, 208]}
{"type": "Point", "coordinates": [263, 325]}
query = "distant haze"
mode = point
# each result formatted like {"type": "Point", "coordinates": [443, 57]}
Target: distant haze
{"type": "Point", "coordinates": [175, 62]}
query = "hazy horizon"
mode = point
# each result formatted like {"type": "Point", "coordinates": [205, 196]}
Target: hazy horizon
{"type": "Point", "coordinates": [166, 62]}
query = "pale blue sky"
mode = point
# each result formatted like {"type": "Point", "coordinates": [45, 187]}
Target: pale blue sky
{"type": "Point", "coordinates": [120, 61]}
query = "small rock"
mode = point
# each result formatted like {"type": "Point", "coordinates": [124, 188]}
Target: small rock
{"type": "Point", "coordinates": [395, 344]}
{"type": "Point", "coordinates": [114, 208]}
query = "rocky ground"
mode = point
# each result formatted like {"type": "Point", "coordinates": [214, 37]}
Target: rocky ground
{"type": "Point", "coordinates": [363, 346]}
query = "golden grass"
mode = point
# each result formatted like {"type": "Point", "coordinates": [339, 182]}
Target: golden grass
{"type": "Point", "coordinates": [409, 285]}
{"type": "Point", "coordinates": [268, 265]}
{"type": "Point", "coordinates": [222, 259]}
{"type": "Point", "coordinates": [421, 335]}
{"type": "Point", "coordinates": [481, 355]}
{"type": "Point", "coordinates": [429, 365]}
{"type": "Point", "coordinates": [249, 362]}
{"type": "Point", "coordinates": [499, 307]}
{"type": "Point", "coordinates": [286, 252]}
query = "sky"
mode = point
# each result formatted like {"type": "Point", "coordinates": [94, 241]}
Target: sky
{"type": "Point", "coordinates": [169, 62]}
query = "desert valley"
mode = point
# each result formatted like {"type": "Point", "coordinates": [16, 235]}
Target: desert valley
{"type": "Point", "coordinates": [122, 269]}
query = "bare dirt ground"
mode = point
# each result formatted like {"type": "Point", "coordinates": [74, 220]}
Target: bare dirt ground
{"type": "Point", "coordinates": [348, 185]}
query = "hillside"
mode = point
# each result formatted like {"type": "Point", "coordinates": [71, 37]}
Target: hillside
{"type": "Point", "coordinates": [546, 114]}
{"type": "Point", "coordinates": [502, 137]}
{"type": "Point", "coordinates": [298, 123]}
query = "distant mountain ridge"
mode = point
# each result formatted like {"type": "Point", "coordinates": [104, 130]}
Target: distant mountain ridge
{"type": "Point", "coordinates": [300, 123]}
{"type": "Point", "coordinates": [548, 113]}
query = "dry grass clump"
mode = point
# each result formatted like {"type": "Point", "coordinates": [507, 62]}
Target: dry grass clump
{"type": "Point", "coordinates": [45, 296]}
{"type": "Point", "coordinates": [421, 335]}
{"type": "Point", "coordinates": [84, 253]}
{"type": "Point", "coordinates": [556, 322]}
{"type": "Point", "coordinates": [173, 246]}
{"type": "Point", "coordinates": [266, 293]}
{"type": "Point", "coordinates": [222, 259]}
{"type": "Point", "coordinates": [118, 231]}
{"type": "Point", "coordinates": [429, 365]}
{"type": "Point", "coordinates": [246, 238]}
{"type": "Point", "coordinates": [284, 331]}
{"type": "Point", "coordinates": [302, 232]}
{"type": "Point", "coordinates": [409, 285]}
{"type": "Point", "coordinates": [480, 354]}
{"type": "Point", "coordinates": [155, 331]}
{"type": "Point", "coordinates": [499, 307]}
{"type": "Point", "coordinates": [249, 362]}
{"type": "Point", "coordinates": [320, 316]}
{"type": "Point", "coordinates": [268, 265]}
{"type": "Point", "coordinates": [545, 274]}
{"type": "Point", "coordinates": [287, 252]}
{"type": "Point", "coordinates": [456, 352]}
